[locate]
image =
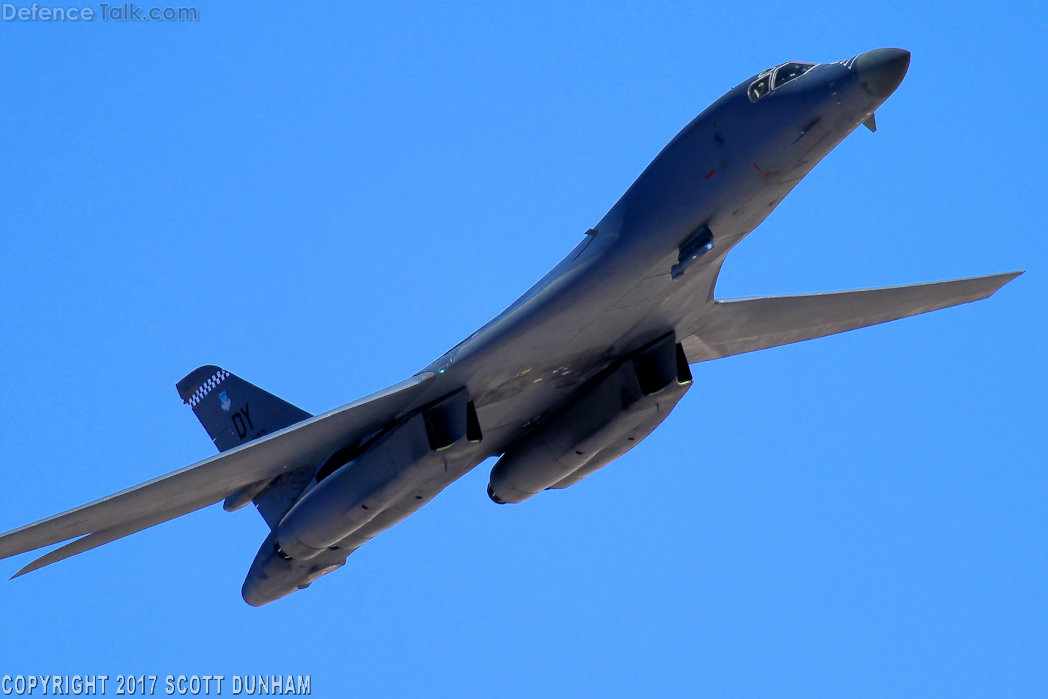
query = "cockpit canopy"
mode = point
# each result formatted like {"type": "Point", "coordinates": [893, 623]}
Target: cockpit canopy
{"type": "Point", "coordinates": [776, 77]}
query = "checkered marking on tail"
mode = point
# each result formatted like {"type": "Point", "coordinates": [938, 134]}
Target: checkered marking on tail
{"type": "Point", "coordinates": [206, 387]}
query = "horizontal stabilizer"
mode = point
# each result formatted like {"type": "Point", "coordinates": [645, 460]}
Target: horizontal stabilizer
{"type": "Point", "coordinates": [747, 325]}
{"type": "Point", "coordinates": [211, 480]}
{"type": "Point", "coordinates": [91, 541]}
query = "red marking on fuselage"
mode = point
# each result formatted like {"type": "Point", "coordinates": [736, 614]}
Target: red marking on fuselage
{"type": "Point", "coordinates": [712, 172]}
{"type": "Point", "coordinates": [759, 169]}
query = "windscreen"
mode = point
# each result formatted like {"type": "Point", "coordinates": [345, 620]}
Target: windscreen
{"type": "Point", "coordinates": [759, 87]}
{"type": "Point", "coordinates": [791, 71]}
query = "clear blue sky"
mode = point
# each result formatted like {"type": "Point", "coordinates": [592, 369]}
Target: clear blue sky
{"type": "Point", "coordinates": [323, 199]}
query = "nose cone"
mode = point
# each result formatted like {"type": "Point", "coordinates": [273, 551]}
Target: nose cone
{"type": "Point", "coordinates": [880, 71]}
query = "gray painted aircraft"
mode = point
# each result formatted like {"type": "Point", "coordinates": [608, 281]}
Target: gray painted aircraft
{"type": "Point", "coordinates": [571, 376]}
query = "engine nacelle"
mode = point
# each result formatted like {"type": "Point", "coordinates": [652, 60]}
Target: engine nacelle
{"type": "Point", "coordinates": [359, 491]}
{"type": "Point", "coordinates": [351, 496]}
{"type": "Point", "coordinates": [608, 420]}
{"type": "Point", "coordinates": [356, 499]}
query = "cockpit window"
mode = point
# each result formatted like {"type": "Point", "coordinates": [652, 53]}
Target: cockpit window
{"type": "Point", "coordinates": [783, 74]}
{"type": "Point", "coordinates": [790, 71]}
{"type": "Point", "coordinates": [760, 87]}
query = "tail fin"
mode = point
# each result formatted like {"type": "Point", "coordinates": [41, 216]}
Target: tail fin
{"type": "Point", "coordinates": [232, 410]}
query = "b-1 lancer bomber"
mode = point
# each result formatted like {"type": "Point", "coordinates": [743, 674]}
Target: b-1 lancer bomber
{"type": "Point", "coordinates": [570, 377]}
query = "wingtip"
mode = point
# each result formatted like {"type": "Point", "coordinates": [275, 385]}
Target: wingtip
{"type": "Point", "coordinates": [28, 569]}
{"type": "Point", "coordinates": [990, 284]}
{"type": "Point", "coordinates": [41, 562]}
{"type": "Point", "coordinates": [1006, 277]}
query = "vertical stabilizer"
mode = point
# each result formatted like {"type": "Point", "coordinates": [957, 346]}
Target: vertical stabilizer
{"type": "Point", "coordinates": [232, 410]}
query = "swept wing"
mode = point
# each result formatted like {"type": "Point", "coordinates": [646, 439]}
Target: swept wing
{"type": "Point", "coordinates": [211, 480]}
{"type": "Point", "coordinates": [747, 325]}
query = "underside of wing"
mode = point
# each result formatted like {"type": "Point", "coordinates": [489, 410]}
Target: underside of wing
{"type": "Point", "coordinates": [747, 325]}
{"type": "Point", "coordinates": [96, 539]}
{"type": "Point", "coordinates": [210, 480]}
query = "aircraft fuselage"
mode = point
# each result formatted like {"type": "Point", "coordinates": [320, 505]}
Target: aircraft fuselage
{"type": "Point", "coordinates": [612, 296]}
{"type": "Point", "coordinates": [727, 170]}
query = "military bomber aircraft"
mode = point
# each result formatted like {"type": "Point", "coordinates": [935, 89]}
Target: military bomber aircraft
{"type": "Point", "coordinates": [571, 376]}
